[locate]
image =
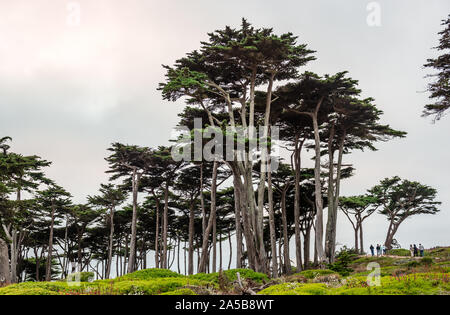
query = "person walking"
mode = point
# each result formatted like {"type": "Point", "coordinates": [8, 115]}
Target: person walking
{"type": "Point", "coordinates": [421, 249]}
{"type": "Point", "coordinates": [411, 250]}
{"type": "Point", "coordinates": [372, 250]}
{"type": "Point", "coordinates": [416, 251]}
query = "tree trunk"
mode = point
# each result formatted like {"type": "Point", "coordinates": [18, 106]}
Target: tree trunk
{"type": "Point", "coordinates": [191, 240]}
{"type": "Point", "coordinates": [297, 168]}
{"type": "Point", "coordinates": [5, 275]}
{"type": "Point", "coordinates": [307, 246]}
{"type": "Point", "coordinates": [132, 257]}
{"type": "Point", "coordinates": [273, 241]}
{"type": "Point", "coordinates": [237, 211]}
{"type": "Point", "coordinates": [165, 225]}
{"type": "Point", "coordinates": [48, 273]}
{"type": "Point", "coordinates": [333, 209]}
{"type": "Point", "coordinates": [205, 254]}
{"type": "Point", "coordinates": [157, 263]}
{"type": "Point", "coordinates": [230, 245]}
{"type": "Point", "coordinates": [111, 243]}
{"type": "Point", "coordinates": [318, 194]}
{"type": "Point", "coordinates": [361, 244]}
{"type": "Point", "coordinates": [214, 242]}
{"type": "Point", "coordinates": [287, 260]}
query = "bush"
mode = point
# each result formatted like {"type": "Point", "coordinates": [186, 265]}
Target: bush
{"type": "Point", "coordinates": [343, 259]}
{"type": "Point", "coordinates": [313, 273]}
{"type": "Point", "coordinates": [180, 292]}
{"type": "Point", "coordinates": [296, 289]}
{"type": "Point", "coordinates": [149, 274]}
{"type": "Point", "coordinates": [427, 261]}
{"type": "Point", "coordinates": [81, 277]}
{"type": "Point", "coordinates": [399, 252]}
{"type": "Point", "coordinates": [145, 287]}
{"type": "Point", "coordinates": [34, 288]}
{"type": "Point", "coordinates": [231, 275]}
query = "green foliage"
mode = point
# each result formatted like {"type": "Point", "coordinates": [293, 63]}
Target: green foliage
{"type": "Point", "coordinates": [180, 292]}
{"type": "Point", "coordinates": [427, 261]}
{"type": "Point", "coordinates": [38, 288]}
{"type": "Point", "coordinates": [149, 274]}
{"type": "Point", "coordinates": [296, 289]}
{"type": "Point", "coordinates": [343, 260]}
{"type": "Point", "coordinates": [247, 274]}
{"type": "Point", "coordinates": [399, 252]}
{"type": "Point", "coordinates": [313, 273]}
{"type": "Point", "coordinates": [81, 277]}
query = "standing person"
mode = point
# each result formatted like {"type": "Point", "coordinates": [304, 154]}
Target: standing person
{"type": "Point", "coordinates": [378, 249]}
{"type": "Point", "coordinates": [372, 249]}
{"type": "Point", "coordinates": [383, 250]}
{"type": "Point", "coordinates": [421, 249]}
{"type": "Point", "coordinates": [411, 250]}
{"type": "Point", "coordinates": [416, 251]}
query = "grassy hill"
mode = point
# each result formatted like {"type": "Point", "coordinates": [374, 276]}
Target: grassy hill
{"type": "Point", "coordinates": [399, 274]}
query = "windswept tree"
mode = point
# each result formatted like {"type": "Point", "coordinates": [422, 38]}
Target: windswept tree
{"type": "Point", "coordinates": [20, 174]}
{"type": "Point", "coordinates": [440, 87]}
{"type": "Point", "coordinates": [110, 198]}
{"type": "Point", "coordinates": [224, 76]}
{"type": "Point", "coordinates": [357, 209]}
{"type": "Point", "coordinates": [401, 199]}
{"type": "Point", "coordinates": [52, 202]}
{"type": "Point", "coordinates": [129, 162]}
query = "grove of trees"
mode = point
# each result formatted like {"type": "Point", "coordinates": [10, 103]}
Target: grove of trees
{"type": "Point", "coordinates": [185, 212]}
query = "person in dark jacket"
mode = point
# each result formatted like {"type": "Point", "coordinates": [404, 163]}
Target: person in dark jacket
{"type": "Point", "coordinates": [416, 251]}
{"type": "Point", "coordinates": [372, 249]}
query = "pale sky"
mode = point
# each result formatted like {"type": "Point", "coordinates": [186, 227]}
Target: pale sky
{"type": "Point", "coordinates": [68, 90]}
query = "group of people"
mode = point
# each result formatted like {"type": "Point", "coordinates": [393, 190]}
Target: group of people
{"type": "Point", "coordinates": [381, 250]}
{"type": "Point", "coordinates": [416, 251]}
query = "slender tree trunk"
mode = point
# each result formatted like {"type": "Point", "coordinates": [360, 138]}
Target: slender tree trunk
{"type": "Point", "coordinates": [132, 257]}
{"type": "Point", "coordinates": [230, 246]}
{"type": "Point", "coordinates": [297, 161]}
{"type": "Point", "coordinates": [205, 254]}
{"type": "Point", "coordinates": [273, 240]}
{"type": "Point", "coordinates": [191, 240]}
{"type": "Point", "coordinates": [165, 225]}
{"type": "Point", "coordinates": [237, 211]}
{"type": "Point", "coordinates": [361, 238]}
{"type": "Point", "coordinates": [48, 274]}
{"type": "Point", "coordinates": [356, 229]}
{"type": "Point", "coordinates": [111, 243]}
{"type": "Point", "coordinates": [214, 243]}
{"type": "Point", "coordinates": [333, 209]}
{"type": "Point", "coordinates": [287, 260]}
{"type": "Point", "coordinates": [157, 233]}
{"type": "Point", "coordinates": [318, 192]}
{"type": "Point", "coordinates": [307, 246]}
{"type": "Point", "coordinates": [5, 275]}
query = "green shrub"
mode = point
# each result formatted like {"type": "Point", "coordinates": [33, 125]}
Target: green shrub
{"type": "Point", "coordinates": [313, 273]}
{"type": "Point", "coordinates": [81, 277]}
{"type": "Point", "coordinates": [27, 288]}
{"type": "Point", "coordinates": [231, 275]}
{"type": "Point", "coordinates": [413, 263]}
{"type": "Point", "coordinates": [399, 252]}
{"type": "Point", "coordinates": [155, 286]}
{"type": "Point", "coordinates": [296, 289]}
{"type": "Point", "coordinates": [427, 261]}
{"type": "Point", "coordinates": [180, 292]}
{"type": "Point", "coordinates": [343, 260]}
{"type": "Point", "coordinates": [149, 274]}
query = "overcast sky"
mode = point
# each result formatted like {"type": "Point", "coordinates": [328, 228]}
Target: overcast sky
{"type": "Point", "coordinates": [68, 89]}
